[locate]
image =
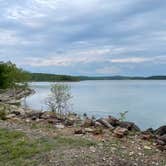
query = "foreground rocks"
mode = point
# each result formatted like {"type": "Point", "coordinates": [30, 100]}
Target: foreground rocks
{"type": "Point", "coordinates": [158, 136]}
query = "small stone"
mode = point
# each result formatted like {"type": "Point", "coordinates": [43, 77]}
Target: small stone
{"type": "Point", "coordinates": [98, 131]}
{"type": "Point", "coordinates": [60, 126]}
{"type": "Point", "coordinates": [10, 116]}
{"type": "Point", "coordinates": [88, 130]}
{"type": "Point", "coordinates": [93, 149]}
{"type": "Point", "coordinates": [88, 123]}
{"type": "Point", "coordinates": [104, 159]}
{"type": "Point", "coordinates": [120, 132]}
{"type": "Point", "coordinates": [131, 153]}
{"type": "Point", "coordinates": [147, 147]}
{"type": "Point", "coordinates": [27, 120]}
{"type": "Point", "coordinates": [79, 131]}
{"type": "Point", "coordinates": [146, 136]}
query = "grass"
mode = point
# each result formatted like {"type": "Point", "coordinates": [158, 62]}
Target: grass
{"type": "Point", "coordinates": [18, 149]}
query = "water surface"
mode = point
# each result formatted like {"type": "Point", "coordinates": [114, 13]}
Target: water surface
{"type": "Point", "coordinates": [145, 101]}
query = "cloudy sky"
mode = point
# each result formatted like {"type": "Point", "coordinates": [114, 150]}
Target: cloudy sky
{"type": "Point", "coordinates": [85, 37]}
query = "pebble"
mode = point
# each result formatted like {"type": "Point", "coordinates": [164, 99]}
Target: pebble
{"type": "Point", "coordinates": [92, 149]}
{"type": "Point", "coordinates": [147, 147]}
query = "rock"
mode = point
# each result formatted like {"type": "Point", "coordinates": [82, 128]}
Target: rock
{"type": "Point", "coordinates": [105, 123]}
{"type": "Point", "coordinates": [98, 124]}
{"type": "Point", "coordinates": [34, 118]}
{"type": "Point", "coordinates": [79, 131]}
{"type": "Point", "coordinates": [33, 115]}
{"type": "Point", "coordinates": [161, 130]}
{"type": "Point", "coordinates": [88, 130]}
{"type": "Point", "coordinates": [47, 115]}
{"type": "Point", "coordinates": [92, 149]}
{"type": "Point", "coordinates": [160, 142]}
{"type": "Point", "coordinates": [161, 147]}
{"type": "Point", "coordinates": [129, 125]}
{"type": "Point", "coordinates": [163, 138]}
{"type": "Point", "coordinates": [60, 126]}
{"type": "Point", "coordinates": [147, 147]}
{"type": "Point", "coordinates": [150, 130]}
{"type": "Point", "coordinates": [98, 131]}
{"type": "Point", "coordinates": [69, 122]}
{"type": "Point", "coordinates": [120, 132]}
{"type": "Point", "coordinates": [10, 116]}
{"type": "Point", "coordinates": [52, 121]}
{"type": "Point", "coordinates": [16, 113]}
{"type": "Point", "coordinates": [113, 121]}
{"type": "Point", "coordinates": [28, 120]}
{"type": "Point", "coordinates": [88, 123]}
{"type": "Point", "coordinates": [13, 102]}
{"type": "Point", "coordinates": [146, 136]}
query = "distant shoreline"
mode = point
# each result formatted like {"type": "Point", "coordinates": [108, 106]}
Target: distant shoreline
{"type": "Point", "coordinates": [44, 77]}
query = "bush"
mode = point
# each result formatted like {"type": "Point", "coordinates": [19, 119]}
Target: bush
{"type": "Point", "coordinates": [59, 99]}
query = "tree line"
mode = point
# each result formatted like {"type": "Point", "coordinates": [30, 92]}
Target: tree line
{"type": "Point", "coordinates": [11, 76]}
{"type": "Point", "coordinates": [52, 77]}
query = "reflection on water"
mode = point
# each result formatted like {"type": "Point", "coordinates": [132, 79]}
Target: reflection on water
{"type": "Point", "coordinates": [145, 101]}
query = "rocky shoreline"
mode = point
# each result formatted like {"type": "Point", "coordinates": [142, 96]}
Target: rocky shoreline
{"type": "Point", "coordinates": [85, 125]}
{"type": "Point", "coordinates": [14, 97]}
{"type": "Point", "coordinates": [136, 143]}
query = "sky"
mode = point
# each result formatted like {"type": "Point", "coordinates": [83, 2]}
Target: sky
{"type": "Point", "coordinates": [85, 37]}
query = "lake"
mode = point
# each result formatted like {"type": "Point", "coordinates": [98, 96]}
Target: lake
{"type": "Point", "coordinates": [145, 101]}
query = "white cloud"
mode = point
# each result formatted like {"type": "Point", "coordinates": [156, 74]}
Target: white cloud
{"type": "Point", "coordinates": [108, 70]}
{"type": "Point", "coordinates": [8, 37]}
{"type": "Point", "coordinates": [155, 59]}
{"type": "Point", "coordinates": [130, 60]}
{"type": "Point", "coordinates": [68, 58]}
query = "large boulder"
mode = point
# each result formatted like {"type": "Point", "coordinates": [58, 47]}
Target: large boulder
{"type": "Point", "coordinates": [161, 130]}
{"type": "Point", "coordinates": [129, 125]}
{"type": "Point", "coordinates": [105, 123]}
{"type": "Point", "coordinates": [98, 124]}
{"type": "Point", "coordinates": [163, 138]}
{"type": "Point", "coordinates": [161, 142]}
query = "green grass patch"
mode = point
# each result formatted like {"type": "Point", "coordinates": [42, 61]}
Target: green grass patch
{"type": "Point", "coordinates": [74, 142]}
{"type": "Point", "coordinates": [18, 149]}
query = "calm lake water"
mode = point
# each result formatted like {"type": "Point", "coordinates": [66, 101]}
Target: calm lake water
{"type": "Point", "coordinates": [145, 101]}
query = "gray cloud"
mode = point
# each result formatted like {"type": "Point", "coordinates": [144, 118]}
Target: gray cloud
{"type": "Point", "coordinates": [69, 35]}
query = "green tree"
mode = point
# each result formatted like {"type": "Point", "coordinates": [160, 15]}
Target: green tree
{"type": "Point", "coordinates": [11, 75]}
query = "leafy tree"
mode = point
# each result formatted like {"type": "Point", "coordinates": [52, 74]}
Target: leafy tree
{"type": "Point", "coordinates": [10, 75]}
{"type": "Point", "coordinates": [58, 101]}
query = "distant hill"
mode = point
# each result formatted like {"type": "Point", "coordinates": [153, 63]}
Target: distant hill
{"type": "Point", "coordinates": [43, 77]}
{"type": "Point", "coordinates": [54, 77]}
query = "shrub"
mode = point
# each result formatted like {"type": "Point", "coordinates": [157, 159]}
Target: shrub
{"type": "Point", "coordinates": [59, 99]}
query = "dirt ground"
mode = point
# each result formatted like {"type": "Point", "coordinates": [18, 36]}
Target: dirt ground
{"type": "Point", "coordinates": [86, 149]}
